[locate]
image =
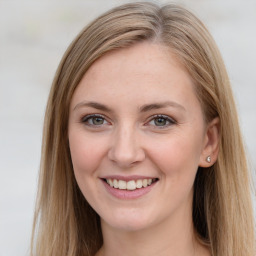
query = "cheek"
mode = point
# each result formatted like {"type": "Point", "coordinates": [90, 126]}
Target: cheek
{"type": "Point", "coordinates": [85, 153]}
{"type": "Point", "coordinates": [177, 157]}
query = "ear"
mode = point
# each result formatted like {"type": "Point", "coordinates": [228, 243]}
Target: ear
{"type": "Point", "coordinates": [211, 144]}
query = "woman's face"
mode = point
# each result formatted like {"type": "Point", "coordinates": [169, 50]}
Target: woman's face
{"type": "Point", "coordinates": [137, 136]}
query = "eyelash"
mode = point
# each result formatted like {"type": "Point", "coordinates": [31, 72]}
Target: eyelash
{"type": "Point", "coordinates": [164, 117]}
{"type": "Point", "coordinates": [87, 118]}
{"type": "Point", "coordinates": [170, 121]}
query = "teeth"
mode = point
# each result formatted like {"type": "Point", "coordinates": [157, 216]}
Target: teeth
{"type": "Point", "coordinates": [115, 183]}
{"type": "Point", "coordinates": [111, 183]}
{"type": "Point", "coordinates": [145, 183]}
{"type": "Point", "coordinates": [139, 183]}
{"type": "Point", "coordinates": [129, 185]}
{"type": "Point", "coordinates": [122, 184]}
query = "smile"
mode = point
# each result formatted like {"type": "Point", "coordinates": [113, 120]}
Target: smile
{"type": "Point", "coordinates": [131, 184]}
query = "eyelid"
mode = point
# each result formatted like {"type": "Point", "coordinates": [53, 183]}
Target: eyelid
{"type": "Point", "coordinates": [85, 118]}
{"type": "Point", "coordinates": [168, 118]}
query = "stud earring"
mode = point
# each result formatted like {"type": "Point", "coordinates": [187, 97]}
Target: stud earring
{"type": "Point", "coordinates": [208, 159]}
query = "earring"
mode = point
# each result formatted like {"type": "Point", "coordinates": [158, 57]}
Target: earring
{"type": "Point", "coordinates": [208, 159]}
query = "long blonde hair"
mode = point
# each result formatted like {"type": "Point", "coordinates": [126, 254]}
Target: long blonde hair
{"type": "Point", "coordinates": [65, 224]}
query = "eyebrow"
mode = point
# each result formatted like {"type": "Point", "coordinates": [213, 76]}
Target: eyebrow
{"type": "Point", "coordinates": [143, 108]}
{"type": "Point", "coordinates": [93, 104]}
{"type": "Point", "coordinates": [153, 106]}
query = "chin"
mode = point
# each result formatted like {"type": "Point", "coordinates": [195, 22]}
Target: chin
{"type": "Point", "coordinates": [130, 221]}
{"type": "Point", "coordinates": [129, 226]}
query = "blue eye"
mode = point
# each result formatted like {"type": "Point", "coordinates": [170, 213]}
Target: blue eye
{"type": "Point", "coordinates": [161, 121]}
{"type": "Point", "coordinates": [94, 120]}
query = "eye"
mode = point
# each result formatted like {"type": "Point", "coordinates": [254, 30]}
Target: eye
{"type": "Point", "coordinates": [161, 121]}
{"type": "Point", "coordinates": [94, 120]}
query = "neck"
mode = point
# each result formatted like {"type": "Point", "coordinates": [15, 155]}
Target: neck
{"type": "Point", "coordinates": [171, 237]}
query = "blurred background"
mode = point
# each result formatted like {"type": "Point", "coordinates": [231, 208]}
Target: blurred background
{"type": "Point", "coordinates": [33, 37]}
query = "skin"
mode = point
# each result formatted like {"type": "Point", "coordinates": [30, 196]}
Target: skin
{"type": "Point", "coordinates": [127, 139]}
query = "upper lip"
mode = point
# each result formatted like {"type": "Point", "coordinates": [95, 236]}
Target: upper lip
{"type": "Point", "coordinates": [127, 178]}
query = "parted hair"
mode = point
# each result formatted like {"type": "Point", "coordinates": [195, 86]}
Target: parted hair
{"type": "Point", "coordinates": [64, 223]}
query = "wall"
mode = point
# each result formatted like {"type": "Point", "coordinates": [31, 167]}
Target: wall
{"type": "Point", "coordinates": [34, 35]}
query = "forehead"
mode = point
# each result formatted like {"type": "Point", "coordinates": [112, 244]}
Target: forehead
{"type": "Point", "coordinates": [141, 73]}
{"type": "Point", "coordinates": [144, 58]}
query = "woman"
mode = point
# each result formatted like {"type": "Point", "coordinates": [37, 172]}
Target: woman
{"type": "Point", "coordinates": [142, 152]}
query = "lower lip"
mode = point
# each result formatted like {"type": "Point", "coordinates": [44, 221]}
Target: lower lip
{"type": "Point", "coordinates": [128, 194]}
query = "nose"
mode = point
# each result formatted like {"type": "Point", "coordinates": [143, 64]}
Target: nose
{"type": "Point", "coordinates": [126, 149]}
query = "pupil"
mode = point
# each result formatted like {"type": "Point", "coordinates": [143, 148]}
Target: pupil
{"type": "Point", "coordinates": [160, 122]}
{"type": "Point", "coordinates": [97, 120]}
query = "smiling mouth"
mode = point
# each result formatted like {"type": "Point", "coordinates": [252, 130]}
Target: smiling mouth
{"type": "Point", "coordinates": [131, 184]}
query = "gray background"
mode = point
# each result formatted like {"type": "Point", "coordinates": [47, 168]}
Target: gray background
{"type": "Point", "coordinates": [33, 37]}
